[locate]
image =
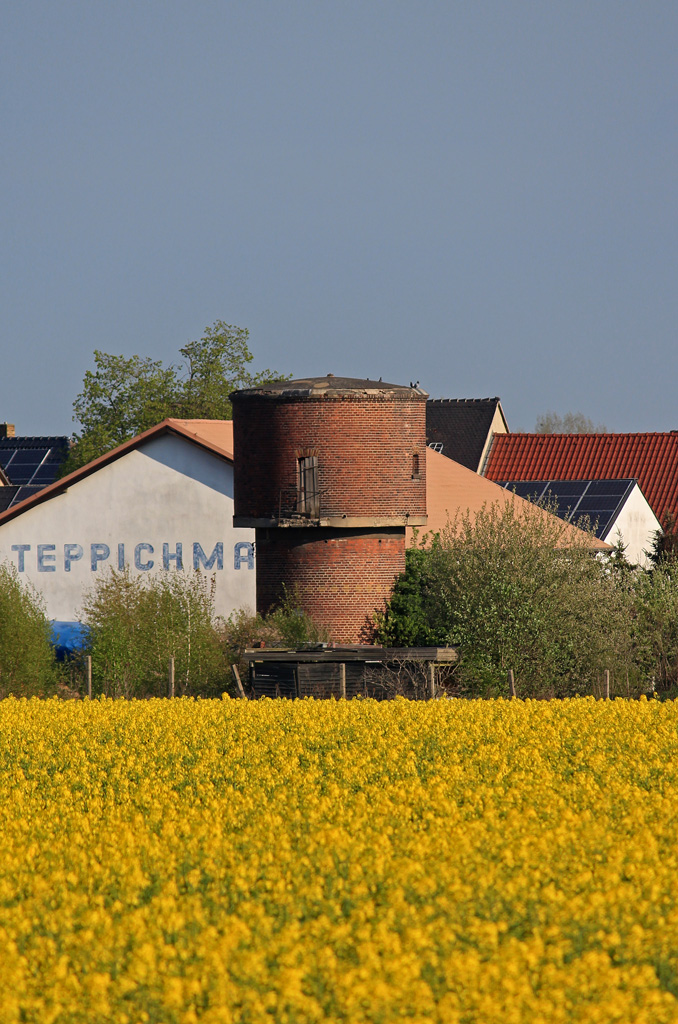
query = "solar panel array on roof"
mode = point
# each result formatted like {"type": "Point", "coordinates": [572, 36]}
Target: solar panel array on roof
{"type": "Point", "coordinates": [651, 459]}
{"type": "Point", "coordinates": [599, 501]}
{"type": "Point", "coordinates": [30, 463]}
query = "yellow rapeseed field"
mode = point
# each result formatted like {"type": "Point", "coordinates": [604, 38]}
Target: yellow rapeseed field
{"type": "Point", "coordinates": [456, 861]}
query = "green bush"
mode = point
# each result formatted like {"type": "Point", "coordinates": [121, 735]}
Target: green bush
{"type": "Point", "coordinates": [287, 625]}
{"type": "Point", "coordinates": [655, 626]}
{"type": "Point", "coordinates": [27, 662]}
{"type": "Point", "coordinates": [135, 624]}
{"type": "Point", "coordinates": [510, 595]}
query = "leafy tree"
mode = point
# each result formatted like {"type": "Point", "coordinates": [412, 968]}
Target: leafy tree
{"type": "Point", "coordinates": [214, 367]}
{"type": "Point", "coordinates": [135, 624]}
{"type": "Point", "coordinates": [664, 548]}
{"type": "Point", "coordinates": [655, 626]}
{"type": "Point", "coordinates": [509, 594]}
{"type": "Point", "coordinates": [570, 423]}
{"type": "Point", "coordinates": [123, 396]}
{"type": "Point", "coordinates": [27, 662]}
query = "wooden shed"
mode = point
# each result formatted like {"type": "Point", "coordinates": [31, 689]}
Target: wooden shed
{"type": "Point", "coordinates": [357, 670]}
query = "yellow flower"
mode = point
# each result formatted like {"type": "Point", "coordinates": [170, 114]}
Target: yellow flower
{"type": "Point", "coordinates": [227, 861]}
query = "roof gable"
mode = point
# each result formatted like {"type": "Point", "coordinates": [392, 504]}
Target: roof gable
{"type": "Point", "coordinates": [460, 428]}
{"type": "Point", "coordinates": [651, 459]}
{"type": "Point", "coordinates": [215, 436]}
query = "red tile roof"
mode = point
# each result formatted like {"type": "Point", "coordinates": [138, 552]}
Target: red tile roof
{"type": "Point", "coordinates": [652, 459]}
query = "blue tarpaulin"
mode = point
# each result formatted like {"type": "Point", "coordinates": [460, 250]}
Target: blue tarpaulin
{"type": "Point", "coordinates": [68, 637]}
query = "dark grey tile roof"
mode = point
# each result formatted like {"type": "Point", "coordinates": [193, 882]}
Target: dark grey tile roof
{"type": "Point", "coordinates": [459, 427]}
{"type": "Point", "coordinates": [29, 463]}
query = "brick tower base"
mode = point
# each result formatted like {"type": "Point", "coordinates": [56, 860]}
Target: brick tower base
{"type": "Point", "coordinates": [339, 576]}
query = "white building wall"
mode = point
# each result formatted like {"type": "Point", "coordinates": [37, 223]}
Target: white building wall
{"type": "Point", "coordinates": [166, 506]}
{"type": "Point", "coordinates": [637, 525]}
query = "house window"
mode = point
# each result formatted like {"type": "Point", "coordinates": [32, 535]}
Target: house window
{"type": "Point", "coordinates": [308, 498]}
{"type": "Point", "coordinates": [415, 466]}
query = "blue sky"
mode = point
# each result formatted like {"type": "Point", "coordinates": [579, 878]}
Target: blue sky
{"type": "Point", "coordinates": [479, 196]}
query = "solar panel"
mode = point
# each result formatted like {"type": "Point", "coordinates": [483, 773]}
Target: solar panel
{"type": "Point", "coordinates": [526, 488]}
{"type": "Point", "coordinates": [609, 487]}
{"type": "Point", "coordinates": [46, 474]}
{"type": "Point", "coordinates": [21, 467]}
{"type": "Point", "coordinates": [568, 488]}
{"type": "Point", "coordinates": [6, 496]}
{"type": "Point", "coordinates": [20, 474]}
{"type": "Point", "coordinates": [25, 492]}
{"type": "Point", "coordinates": [531, 488]}
{"type": "Point", "coordinates": [29, 456]}
{"type": "Point", "coordinates": [599, 525]}
{"type": "Point", "coordinates": [56, 455]}
{"type": "Point", "coordinates": [595, 504]}
{"type": "Point", "coordinates": [560, 499]}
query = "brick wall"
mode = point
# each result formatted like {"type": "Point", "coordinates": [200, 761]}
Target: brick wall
{"type": "Point", "coordinates": [339, 576]}
{"type": "Point", "coordinates": [364, 445]}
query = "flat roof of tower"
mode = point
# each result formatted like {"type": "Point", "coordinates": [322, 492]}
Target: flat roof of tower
{"type": "Point", "coordinates": [329, 384]}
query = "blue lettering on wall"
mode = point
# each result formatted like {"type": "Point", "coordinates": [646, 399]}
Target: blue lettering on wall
{"type": "Point", "coordinates": [200, 558]}
{"type": "Point", "coordinates": [72, 553]}
{"type": "Point", "coordinates": [172, 556]}
{"type": "Point", "coordinates": [98, 553]}
{"type": "Point", "coordinates": [243, 552]}
{"type": "Point", "coordinates": [46, 560]}
{"type": "Point", "coordinates": [21, 549]}
{"type": "Point", "coordinates": [176, 557]}
{"type": "Point", "coordinates": [138, 564]}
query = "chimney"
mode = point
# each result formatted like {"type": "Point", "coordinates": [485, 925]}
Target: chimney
{"type": "Point", "coordinates": [7, 430]}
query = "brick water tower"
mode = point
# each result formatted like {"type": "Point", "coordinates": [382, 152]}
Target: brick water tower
{"type": "Point", "coordinates": [329, 471]}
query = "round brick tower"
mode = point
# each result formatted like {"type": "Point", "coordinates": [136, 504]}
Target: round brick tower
{"type": "Point", "coordinates": [329, 471]}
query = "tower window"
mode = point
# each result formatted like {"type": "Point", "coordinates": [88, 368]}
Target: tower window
{"type": "Point", "coordinates": [308, 497]}
{"type": "Point", "coordinates": [415, 466]}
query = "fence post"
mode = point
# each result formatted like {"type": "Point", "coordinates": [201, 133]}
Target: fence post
{"type": "Point", "coordinates": [88, 674]}
{"type": "Point", "coordinates": [511, 682]}
{"type": "Point", "coordinates": [342, 681]}
{"type": "Point", "coordinates": [607, 684]}
{"type": "Point", "coordinates": [238, 682]}
{"type": "Point", "coordinates": [431, 680]}
{"type": "Point", "coordinates": [170, 687]}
